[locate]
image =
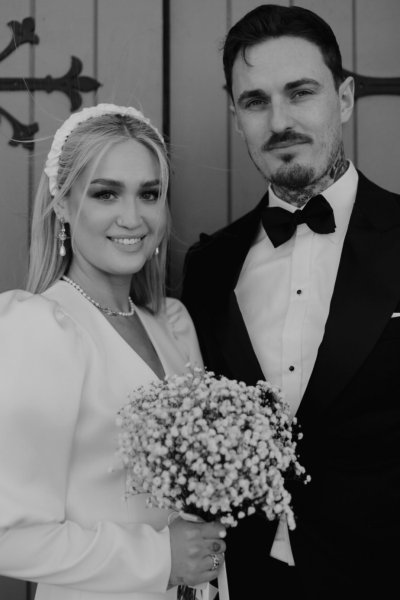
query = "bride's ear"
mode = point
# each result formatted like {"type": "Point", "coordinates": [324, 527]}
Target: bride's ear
{"type": "Point", "coordinates": [61, 211]}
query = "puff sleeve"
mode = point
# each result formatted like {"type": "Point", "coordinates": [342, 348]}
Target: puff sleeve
{"type": "Point", "coordinates": [44, 357]}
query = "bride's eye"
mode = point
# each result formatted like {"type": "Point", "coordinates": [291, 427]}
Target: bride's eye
{"type": "Point", "coordinates": [150, 195]}
{"type": "Point", "coordinates": [106, 195]}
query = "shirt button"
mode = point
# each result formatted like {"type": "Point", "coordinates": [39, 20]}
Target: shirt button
{"type": "Point", "coordinates": [291, 368]}
{"type": "Point", "coordinates": [299, 292]}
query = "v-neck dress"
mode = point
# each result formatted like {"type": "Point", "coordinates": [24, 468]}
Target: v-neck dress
{"type": "Point", "coordinates": [64, 519]}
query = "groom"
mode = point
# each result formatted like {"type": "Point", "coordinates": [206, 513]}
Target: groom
{"type": "Point", "coordinates": [304, 291]}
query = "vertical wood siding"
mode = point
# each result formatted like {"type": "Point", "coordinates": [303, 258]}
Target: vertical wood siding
{"type": "Point", "coordinates": [377, 54]}
{"type": "Point", "coordinates": [121, 45]}
{"type": "Point", "coordinates": [14, 161]}
{"type": "Point", "coordinates": [199, 125]}
{"type": "Point", "coordinates": [202, 200]}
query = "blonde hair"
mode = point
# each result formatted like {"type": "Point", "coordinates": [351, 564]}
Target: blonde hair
{"type": "Point", "coordinates": [89, 141]}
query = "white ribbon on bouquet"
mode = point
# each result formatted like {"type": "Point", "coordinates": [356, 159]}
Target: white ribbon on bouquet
{"type": "Point", "coordinates": [207, 591]}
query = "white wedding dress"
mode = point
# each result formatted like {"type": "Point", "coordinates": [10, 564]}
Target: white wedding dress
{"type": "Point", "coordinates": [64, 520]}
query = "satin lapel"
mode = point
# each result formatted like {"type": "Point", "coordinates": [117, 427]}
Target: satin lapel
{"type": "Point", "coordinates": [235, 343]}
{"type": "Point", "coordinates": [366, 293]}
{"type": "Point", "coordinates": [230, 328]}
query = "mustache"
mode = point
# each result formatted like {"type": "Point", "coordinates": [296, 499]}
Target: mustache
{"type": "Point", "coordinates": [286, 136]}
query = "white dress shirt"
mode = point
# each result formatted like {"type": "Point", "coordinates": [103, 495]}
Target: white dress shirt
{"type": "Point", "coordinates": [284, 295]}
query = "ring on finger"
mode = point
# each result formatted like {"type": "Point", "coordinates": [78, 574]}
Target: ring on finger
{"type": "Point", "coordinates": [216, 562]}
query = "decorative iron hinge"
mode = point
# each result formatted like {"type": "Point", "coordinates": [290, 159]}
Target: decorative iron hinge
{"type": "Point", "coordinates": [372, 86]}
{"type": "Point", "coordinates": [73, 84]}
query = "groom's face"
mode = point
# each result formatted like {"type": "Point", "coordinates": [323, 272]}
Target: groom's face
{"type": "Point", "coordinates": [288, 109]}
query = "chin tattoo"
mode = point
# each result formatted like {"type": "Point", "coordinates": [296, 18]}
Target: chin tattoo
{"type": "Point", "coordinates": [300, 196]}
{"type": "Point", "coordinates": [296, 198]}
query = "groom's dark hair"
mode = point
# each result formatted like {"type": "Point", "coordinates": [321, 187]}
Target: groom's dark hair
{"type": "Point", "coordinates": [272, 21]}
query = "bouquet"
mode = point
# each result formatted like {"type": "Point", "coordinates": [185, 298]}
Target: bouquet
{"type": "Point", "coordinates": [210, 446]}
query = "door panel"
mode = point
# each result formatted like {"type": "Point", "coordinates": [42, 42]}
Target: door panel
{"type": "Point", "coordinates": [378, 117]}
{"type": "Point", "coordinates": [120, 44]}
{"type": "Point", "coordinates": [15, 161]}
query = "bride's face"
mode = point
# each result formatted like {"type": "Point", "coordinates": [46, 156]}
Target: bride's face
{"type": "Point", "coordinates": [117, 218]}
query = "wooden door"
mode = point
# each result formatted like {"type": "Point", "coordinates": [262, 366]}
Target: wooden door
{"type": "Point", "coordinates": [214, 180]}
{"type": "Point", "coordinates": [119, 45]}
{"type": "Point", "coordinates": [163, 56]}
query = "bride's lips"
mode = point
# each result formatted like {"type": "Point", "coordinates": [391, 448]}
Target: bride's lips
{"type": "Point", "coordinates": [127, 242]}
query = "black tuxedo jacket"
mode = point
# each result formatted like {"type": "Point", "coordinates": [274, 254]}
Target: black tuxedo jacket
{"type": "Point", "coordinates": [348, 517]}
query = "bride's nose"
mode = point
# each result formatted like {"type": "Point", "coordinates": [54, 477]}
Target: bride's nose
{"type": "Point", "coordinates": [129, 215]}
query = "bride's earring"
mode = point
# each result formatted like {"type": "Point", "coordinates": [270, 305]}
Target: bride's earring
{"type": "Point", "coordinates": [156, 251]}
{"type": "Point", "coordinates": [62, 236]}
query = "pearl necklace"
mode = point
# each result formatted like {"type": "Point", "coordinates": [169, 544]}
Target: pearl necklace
{"type": "Point", "coordinates": [107, 311]}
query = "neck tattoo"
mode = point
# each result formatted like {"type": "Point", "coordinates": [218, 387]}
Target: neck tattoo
{"type": "Point", "coordinates": [104, 309]}
{"type": "Point", "coordinates": [300, 197]}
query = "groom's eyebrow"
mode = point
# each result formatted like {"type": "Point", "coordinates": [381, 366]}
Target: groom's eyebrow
{"type": "Point", "coordinates": [292, 85]}
{"type": "Point", "coordinates": [260, 94]}
{"type": "Point", "coordinates": [251, 94]}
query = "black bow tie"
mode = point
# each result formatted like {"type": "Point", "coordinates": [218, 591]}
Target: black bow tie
{"type": "Point", "coordinates": [280, 224]}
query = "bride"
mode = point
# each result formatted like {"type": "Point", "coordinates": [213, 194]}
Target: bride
{"type": "Point", "coordinates": [93, 325]}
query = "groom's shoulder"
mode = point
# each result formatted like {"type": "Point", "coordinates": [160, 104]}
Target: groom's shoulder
{"type": "Point", "coordinates": [364, 183]}
{"type": "Point", "coordinates": [209, 243]}
{"type": "Point", "coordinates": [211, 258]}
{"type": "Point", "coordinates": [379, 206]}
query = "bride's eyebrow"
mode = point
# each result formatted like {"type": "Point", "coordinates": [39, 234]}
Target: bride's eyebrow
{"type": "Point", "coordinates": [149, 184]}
{"type": "Point", "coordinates": [108, 182]}
{"type": "Point", "coordinates": [152, 183]}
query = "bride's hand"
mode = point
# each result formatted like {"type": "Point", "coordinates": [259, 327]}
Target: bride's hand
{"type": "Point", "coordinates": [196, 551]}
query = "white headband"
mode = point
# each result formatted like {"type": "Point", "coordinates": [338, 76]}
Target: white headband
{"type": "Point", "coordinates": [52, 162]}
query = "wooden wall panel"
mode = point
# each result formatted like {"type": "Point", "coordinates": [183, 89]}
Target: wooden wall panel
{"type": "Point", "coordinates": [247, 184]}
{"type": "Point", "coordinates": [359, 26]}
{"type": "Point", "coordinates": [199, 121]}
{"type": "Point", "coordinates": [65, 29]}
{"type": "Point", "coordinates": [378, 117]}
{"type": "Point", "coordinates": [14, 161]}
{"type": "Point", "coordinates": [130, 61]}
{"type": "Point", "coordinates": [120, 43]}
{"type": "Point", "coordinates": [340, 16]}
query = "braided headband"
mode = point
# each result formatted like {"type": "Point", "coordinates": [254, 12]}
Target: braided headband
{"type": "Point", "coordinates": [52, 162]}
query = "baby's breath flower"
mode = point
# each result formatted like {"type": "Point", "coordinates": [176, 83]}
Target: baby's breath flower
{"type": "Point", "coordinates": [211, 446]}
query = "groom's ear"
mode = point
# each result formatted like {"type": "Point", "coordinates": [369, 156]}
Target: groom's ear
{"type": "Point", "coordinates": [346, 98]}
